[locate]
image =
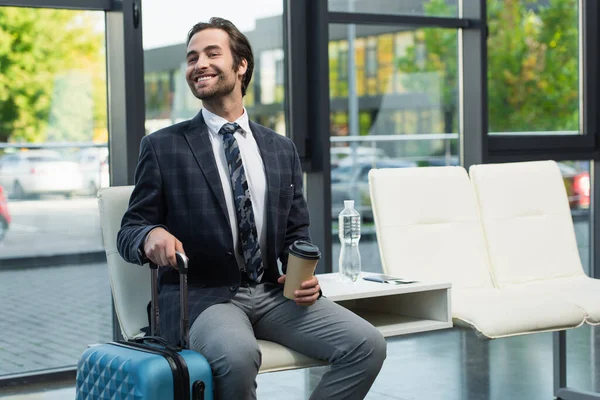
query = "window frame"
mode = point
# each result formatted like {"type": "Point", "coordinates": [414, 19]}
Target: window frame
{"type": "Point", "coordinates": [125, 85]}
{"type": "Point", "coordinates": [509, 146]}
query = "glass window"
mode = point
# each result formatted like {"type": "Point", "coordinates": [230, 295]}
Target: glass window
{"type": "Point", "coordinates": [576, 175]}
{"type": "Point", "coordinates": [53, 159]}
{"type": "Point", "coordinates": [407, 114]}
{"type": "Point", "coordinates": [165, 34]}
{"type": "Point", "coordinates": [437, 8]}
{"type": "Point", "coordinates": [159, 91]}
{"type": "Point", "coordinates": [280, 72]}
{"type": "Point", "coordinates": [533, 66]}
{"type": "Point", "coordinates": [271, 85]}
{"type": "Point", "coordinates": [371, 58]}
{"type": "Point", "coordinates": [343, 63]}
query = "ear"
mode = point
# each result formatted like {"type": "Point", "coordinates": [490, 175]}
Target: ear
{"type": "Point", "coordinates": [243, 67]}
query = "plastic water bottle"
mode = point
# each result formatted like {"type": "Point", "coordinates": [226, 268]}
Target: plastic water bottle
{"type": "Point", "coordinates": [349, 233]}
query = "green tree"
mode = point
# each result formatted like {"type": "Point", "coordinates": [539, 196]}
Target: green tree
{"type": "Point", "coordinates": [532, 64]}
{"type": "Point", "coordinates": [39, 48]}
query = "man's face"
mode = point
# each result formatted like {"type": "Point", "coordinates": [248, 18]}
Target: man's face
{"type": "Point", "coordinates": [209, 72]}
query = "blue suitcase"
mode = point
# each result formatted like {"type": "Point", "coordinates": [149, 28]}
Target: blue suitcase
{"type": "Point", "coordinates": [148, 368]}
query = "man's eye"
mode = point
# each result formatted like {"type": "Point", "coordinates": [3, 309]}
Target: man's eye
{"type": "Point", "coordinates": [213, 54]}
{"type": "Point", "coordinates": [191, 60]}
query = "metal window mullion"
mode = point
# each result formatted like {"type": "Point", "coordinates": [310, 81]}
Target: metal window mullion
{"type": "Point", "coordinates": [94, 5]}
{"type": "Point", "coordinates": [473, 118]}
{"type": "Point", "coordinates": [294, 13]}
{"type": "Point", "coordinates": [590, 42]}
{"type": "Point", "coordinates": [126, 101]}
{"type": "Point", "coordinates": [536, 143]}
{"type": "Point", "coordinates": [336, 17]}
{"type": "Point", "coordinates": [589, 62]}
{"type": "Point", "coordinates": [318, 181]}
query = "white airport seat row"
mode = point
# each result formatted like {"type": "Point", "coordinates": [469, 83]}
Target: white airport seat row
{"type": "Point", "coordinates": [504, 238]}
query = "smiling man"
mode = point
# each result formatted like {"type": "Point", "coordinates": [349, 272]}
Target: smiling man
{"type": "Point", "coordinates": [228, 193]}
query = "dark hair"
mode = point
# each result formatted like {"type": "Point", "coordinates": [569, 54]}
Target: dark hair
{"type": "Point", "coordinates": [238, 43]}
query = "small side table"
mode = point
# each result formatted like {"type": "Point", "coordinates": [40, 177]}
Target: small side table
{"type": "Point", "coordinates": [393, 309]}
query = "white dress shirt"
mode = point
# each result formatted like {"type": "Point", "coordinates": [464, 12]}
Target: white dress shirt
{"type": "Point", "coordinates": [255, 175]}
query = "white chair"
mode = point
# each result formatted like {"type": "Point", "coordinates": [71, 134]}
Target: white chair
{"type": "Point", "coordinates": [530, 236]}
{"type": "Point", "coordinates": [130, 286]}
{"type": "Point", "coordinates": [428, 228]}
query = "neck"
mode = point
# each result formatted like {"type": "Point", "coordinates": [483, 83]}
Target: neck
{"type": "Point", "coordinates": [225, 107]}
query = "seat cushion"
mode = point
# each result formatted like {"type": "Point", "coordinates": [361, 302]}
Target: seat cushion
{"type": "Point", "coordinates": [497, 313]}
{"type": "Point", "coordinates": [428, 226]}
{"type": "Point", "coordinates": [582, 291]}
{"type": "Point", "coordinates": [276, 357]}
{"type": "Point", "coordinates": [527, 221]}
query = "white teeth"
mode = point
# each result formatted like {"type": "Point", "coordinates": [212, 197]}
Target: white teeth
{"type": "Point", "coordinates": [203, 78]}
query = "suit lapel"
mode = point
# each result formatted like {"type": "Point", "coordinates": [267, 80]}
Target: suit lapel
{"type": "Point", "coordinates": [266, 146]}
{"type": "Point", "coordinates": [199, 142]}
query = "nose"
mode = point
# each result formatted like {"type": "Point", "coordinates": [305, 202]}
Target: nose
{"type": "Point", "coordinates": [202, 63]}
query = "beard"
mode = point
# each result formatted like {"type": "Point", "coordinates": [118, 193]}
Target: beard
{"type": "Point", "coordinates": [219, 89]}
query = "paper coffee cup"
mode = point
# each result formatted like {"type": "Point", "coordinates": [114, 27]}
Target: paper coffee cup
{"type": "Point", "coordinates": [302, 261]}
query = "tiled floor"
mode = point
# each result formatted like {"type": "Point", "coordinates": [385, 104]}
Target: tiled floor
{"type": "Point", "coordinates": [446, 365]}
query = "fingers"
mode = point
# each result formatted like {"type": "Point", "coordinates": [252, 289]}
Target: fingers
{"type": "Point", "coordinates": [161, 246]}
{"type": "Point", "coordinates": [312, 282]}
{"type": "Point", "coordinates": [307, 300]}
{"type": "Point", "coordinates": [281, 279]}
{"type": "Point", "coordinates": [171, 258]}
{"type": "Point", "coordinates": [178, 246]}
{"type": "Point", "coordinates": [178, 249]}
{"type": "Point", "coordinates": [307, 292]}
{"type": "Point", "coordinates": [307, 296]}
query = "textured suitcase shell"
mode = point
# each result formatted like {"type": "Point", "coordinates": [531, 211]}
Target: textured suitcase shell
{"type": "Point", "coordinates": [112, 372]}
{"type": "Point", "coordinates": [132, 371]}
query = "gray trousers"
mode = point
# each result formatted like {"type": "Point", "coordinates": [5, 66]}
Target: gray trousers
{"type": "Point", "coordinates": [226, 335]}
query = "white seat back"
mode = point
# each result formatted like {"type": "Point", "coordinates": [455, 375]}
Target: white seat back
{"type": "Point", "coordinates": [428, 226]}
{"type": "Point", "coordinates": [527, 221]}
{"type": "Point", "coordinates": [130, 283]}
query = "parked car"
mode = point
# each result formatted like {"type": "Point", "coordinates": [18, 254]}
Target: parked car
{"type": "Point", "coordinates": [351, 182]}
{"type": "Point", "coordinates": [577, 185]}
{"type": "Point", "coordinates": [35, 172]}
{"type": "Point", "coordinates": [4, 215]}
{"type": "Point", "coordinates": [93, 164]}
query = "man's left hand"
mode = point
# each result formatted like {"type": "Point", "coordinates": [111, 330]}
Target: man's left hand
{"type": "Point", "coordinates": [309, 292]}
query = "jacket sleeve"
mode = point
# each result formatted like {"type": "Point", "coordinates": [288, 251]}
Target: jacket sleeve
{"type": "Point", "coordinates": [298, 218]}
{"type": "Point", "coordinates": [147, 207]}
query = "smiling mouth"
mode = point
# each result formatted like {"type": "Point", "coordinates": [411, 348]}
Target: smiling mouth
{"type": "Point", "coordinates": [205, 78]}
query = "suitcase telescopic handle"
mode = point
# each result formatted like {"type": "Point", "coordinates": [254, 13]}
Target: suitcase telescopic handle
{"type": "Point", "coordinates": [184, 324]}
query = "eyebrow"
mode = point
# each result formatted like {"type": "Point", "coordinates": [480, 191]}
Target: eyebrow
{"type": "Point", "coordinates": [207, 48]}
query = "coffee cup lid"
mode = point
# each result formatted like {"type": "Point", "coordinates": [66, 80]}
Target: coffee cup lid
{"type": "Point", "coordinates": [303, 249]}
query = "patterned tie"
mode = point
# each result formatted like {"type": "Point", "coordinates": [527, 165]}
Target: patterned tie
{"type": "Point", "coordinates": [243, 203]}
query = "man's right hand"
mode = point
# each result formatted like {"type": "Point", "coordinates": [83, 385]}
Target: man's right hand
{"type": "Point", "coordinates": [160, 247]}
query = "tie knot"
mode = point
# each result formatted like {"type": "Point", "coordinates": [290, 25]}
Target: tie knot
{"type": "Point", "coordinates": [230, 128]}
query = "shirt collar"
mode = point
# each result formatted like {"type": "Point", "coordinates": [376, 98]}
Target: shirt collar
{"type": "Point", "coordinates": [215, 122]}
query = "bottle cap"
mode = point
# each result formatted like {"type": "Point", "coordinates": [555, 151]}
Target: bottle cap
{"type": "Point", "coordinates": [349, 203]}
{"type": "Point", "coordinates": [306, 250]}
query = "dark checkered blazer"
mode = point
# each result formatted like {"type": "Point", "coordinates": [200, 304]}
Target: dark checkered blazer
{"type": "Point", "coordinates": [177, 186]}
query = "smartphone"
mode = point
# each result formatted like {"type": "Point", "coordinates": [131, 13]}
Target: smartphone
{"type": "Point", "coordinates": [383, 278]}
